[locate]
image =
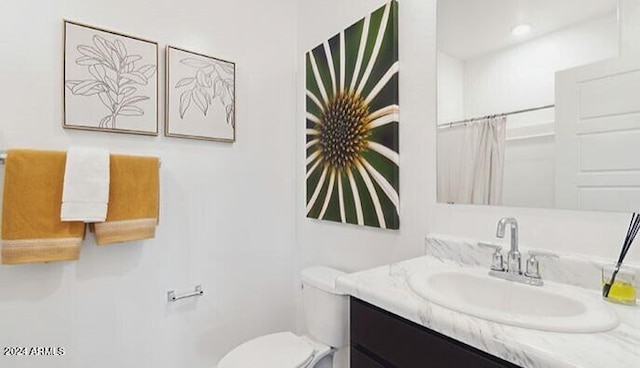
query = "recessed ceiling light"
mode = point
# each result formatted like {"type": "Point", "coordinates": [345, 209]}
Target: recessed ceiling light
{"type": "Point", "coordinates": [521, 30]}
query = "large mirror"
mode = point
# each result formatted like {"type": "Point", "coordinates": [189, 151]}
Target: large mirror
{"type": "Point", "coordinates": [539, 103]}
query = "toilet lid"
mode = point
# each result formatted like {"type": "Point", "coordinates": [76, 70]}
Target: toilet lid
{"type": "Point", "coordinates": [278, 350]}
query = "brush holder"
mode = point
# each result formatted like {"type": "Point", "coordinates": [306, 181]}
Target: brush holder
{"type": "Point", "coordinates": [623, 290]}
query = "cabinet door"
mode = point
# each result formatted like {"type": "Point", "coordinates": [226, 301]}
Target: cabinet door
{"type": "Point", "coordinates": [403, 344]}
{"type": "Point", "coordinates": [361, 360]}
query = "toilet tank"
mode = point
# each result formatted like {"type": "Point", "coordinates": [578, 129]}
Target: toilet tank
{"type": "Point", "coordinates": [325, 308]}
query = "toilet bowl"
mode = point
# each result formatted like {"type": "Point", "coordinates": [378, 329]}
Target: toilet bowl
{"type": "Point", "coordinates": [325, 311]}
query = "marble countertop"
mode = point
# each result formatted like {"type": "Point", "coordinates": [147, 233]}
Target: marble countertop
{"type": "Point", "coordinates": [387, 287]}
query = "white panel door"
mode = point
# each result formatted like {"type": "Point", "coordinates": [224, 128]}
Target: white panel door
{"type": "Point", "coordinates": [598, 136]}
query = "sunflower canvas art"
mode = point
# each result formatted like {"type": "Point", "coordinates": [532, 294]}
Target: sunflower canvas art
{"type": "Point", "coordinates": [352, 161]}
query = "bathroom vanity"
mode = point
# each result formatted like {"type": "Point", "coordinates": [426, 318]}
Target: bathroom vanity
{"type": "Point", "coordinates": [383, 339]}
{"type": "Point", "coordinates": [394, 323]}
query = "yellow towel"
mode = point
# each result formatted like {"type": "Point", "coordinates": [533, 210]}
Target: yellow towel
{"type": "Point", "coordinates": [31, 228]}
{"type": "Point", "coordinates": [133, 200]}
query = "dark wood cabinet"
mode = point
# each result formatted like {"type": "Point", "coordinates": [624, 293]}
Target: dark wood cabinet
{"type": "Point", "coordinates": [362, 360]}
{"type": "Point", "coordinates": [380, 339]}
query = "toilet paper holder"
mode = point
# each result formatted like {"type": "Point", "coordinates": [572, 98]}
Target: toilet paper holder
{"type": "Point", "coordinates": [172, 297]}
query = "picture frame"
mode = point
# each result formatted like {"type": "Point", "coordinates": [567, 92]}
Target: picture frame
{"type": "Point", "coordinates": [110, 81]}
{"type": "Point", "coordinates": [200, 96]}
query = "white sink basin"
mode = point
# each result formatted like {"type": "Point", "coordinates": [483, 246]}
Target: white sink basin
{"type": "Point", "coordinates": [552, 307]}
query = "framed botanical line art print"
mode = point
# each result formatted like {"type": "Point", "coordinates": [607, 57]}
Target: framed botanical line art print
{"type": "Point", "coordinates": [110, 81]}
{"type": "Point", "coordinates": [200, 96]}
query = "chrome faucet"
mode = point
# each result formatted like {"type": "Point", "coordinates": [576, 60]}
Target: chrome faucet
{"type": "Point", "coordinates": [512, 269]}
{"type": "Point", "coordinates": [514, 263]}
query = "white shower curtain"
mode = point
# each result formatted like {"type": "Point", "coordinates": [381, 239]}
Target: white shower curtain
{"type": "Point", "coordinates": [471, 162]}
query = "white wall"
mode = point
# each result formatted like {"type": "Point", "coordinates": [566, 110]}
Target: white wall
{"type": "Point", "coordinates": [450, 88]}
{"type": "Point", "coordinates": [629, 27]}
{"type": "Point", "coordinates": [227, 210]}
{"type": "Point", "coordinates": [529, 167]}
{"type": "Point", "coordinates": [521, 77]}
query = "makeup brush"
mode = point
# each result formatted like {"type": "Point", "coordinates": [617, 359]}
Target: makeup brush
{"type": "Point", "coordinates": [634, 226]}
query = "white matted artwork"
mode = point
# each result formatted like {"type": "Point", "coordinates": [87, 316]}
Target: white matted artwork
{"type": "Point", "coordinates": [200, 96]}
{"type": "Point", "coordinates": [110, 81]}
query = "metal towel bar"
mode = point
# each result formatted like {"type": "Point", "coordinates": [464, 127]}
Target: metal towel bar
{"type": "Point", "coordinates": [3, 158]}
{"type": "Point", "coordinates": [171, 295]}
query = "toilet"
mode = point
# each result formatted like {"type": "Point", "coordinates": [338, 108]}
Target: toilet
{"type": "Point", "coordinates": [325, 311]}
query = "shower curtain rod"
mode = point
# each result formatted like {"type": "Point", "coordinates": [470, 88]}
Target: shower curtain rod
{"type": "Point", "coordinates": [462, 122]}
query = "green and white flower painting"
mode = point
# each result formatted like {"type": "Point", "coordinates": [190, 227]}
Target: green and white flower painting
{"type": "Point", "coordinates": [352, 166]}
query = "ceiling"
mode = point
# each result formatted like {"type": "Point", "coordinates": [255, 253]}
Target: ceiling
{"type": "Point", "coordinates": [470, 28]}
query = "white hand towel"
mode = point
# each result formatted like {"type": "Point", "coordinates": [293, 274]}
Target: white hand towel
{"type": "Point", "coordinates": [85, 195]}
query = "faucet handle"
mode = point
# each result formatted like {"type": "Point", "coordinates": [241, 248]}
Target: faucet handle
{"type": "Point", "coordinates": [533, 266]}
{"type": "Point", "coordinates": [497, 261]}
